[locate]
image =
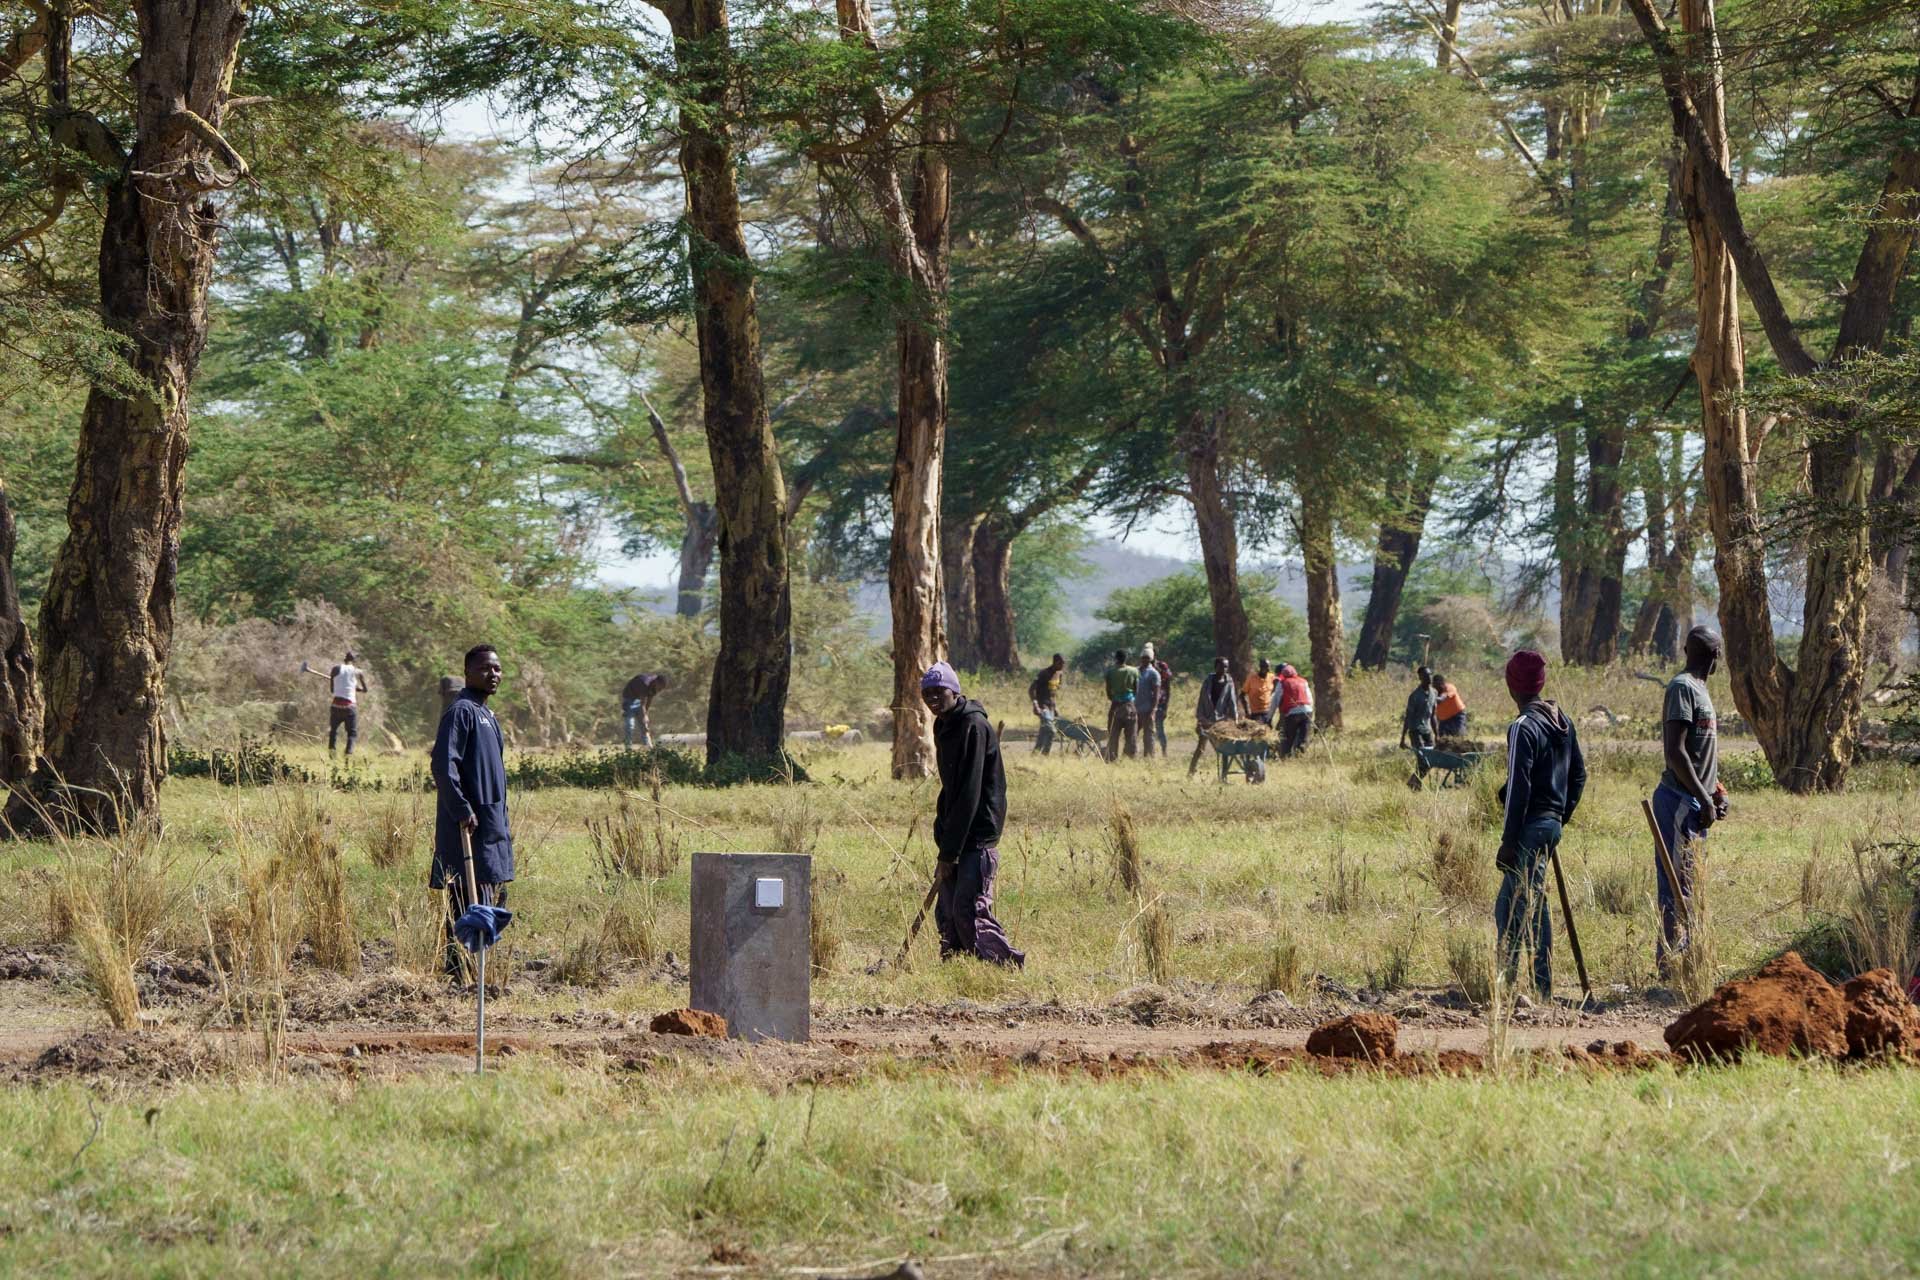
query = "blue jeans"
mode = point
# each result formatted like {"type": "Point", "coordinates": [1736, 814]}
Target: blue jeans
{"type": "Point", "coordinates": [1678, 816]}
{"type": "Point", "coordinates": [1520, 911]}
{"type": "Point", "coordinates": [637, 719]}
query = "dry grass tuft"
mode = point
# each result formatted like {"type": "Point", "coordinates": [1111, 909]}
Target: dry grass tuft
{"type": "Point", "coordinates": [1470, 959]}
{"type": "Point", "coordinates": [393, 829]}
{"type": "Point", "coordinates": [1695, 971]}
{"type": "Point", "coordinates": [630, 929]}
{"type": "Point", "coordinates": [632, 841]}
{"type": "Point", "coordinates": [108, 964]}
{"type": "Point", "coordinates": [1346, 886]}
{"type": "Point", "coordinates": [304, 839]}
{"type": "Point", "coordinates": [1286, 970]}
{"type": "Point", "coordinates": [1154, 931]}
{"type": "Point", "coordinates": [796, 823]}
{"type": "Point", "coordinates": [113, 898]}
{"type": "Point", "coordinates": [1457, 870]}
{"type": "Point", "coordinates": [823, 932]}
{"type": "Point", "coordinates": [1622, 890]}
{"type": "Point", "coordinates": [1124, 851]}
{"type": "Point", "coordinates": [1878, 920]}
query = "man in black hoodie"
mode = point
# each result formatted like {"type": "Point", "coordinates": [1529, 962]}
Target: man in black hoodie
{"type": "Point", "coordinates": [967, 820]}
{"type": "Point", "coordinates": [1545, 775]}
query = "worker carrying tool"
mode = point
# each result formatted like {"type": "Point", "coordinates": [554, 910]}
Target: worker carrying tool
{"type": "Point", "coordinates": [968, 818]}
{"type": "Point", "coordinates": [470, 778]}
{"type": "Point", "coordinates": [636, 700]}
{"type": "Point", "coordinates": [1689, 799]}
{"type": "Point", "coordinates": [1546, 774]}
{"type": "Point", "coordinates": [348, 683]}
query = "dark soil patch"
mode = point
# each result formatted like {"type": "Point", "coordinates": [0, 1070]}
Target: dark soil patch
{"type": "Point", "coordinates": [137, 1057]}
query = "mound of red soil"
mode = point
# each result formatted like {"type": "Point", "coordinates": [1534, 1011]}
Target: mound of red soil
{"type": "Point", "coordinates": [1785, 1008]}
{"type": "Point", "coordinates": [1373, 1036]}
{"type": "Point", "coordinates": [689, 1022]}
{"type": "Point", "coordinates": [1880, 1017]}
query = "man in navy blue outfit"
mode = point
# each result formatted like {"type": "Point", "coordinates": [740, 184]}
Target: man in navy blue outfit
{"type": "Point", "coordinates": [1546, 774]}
{"type": "Point", "coordinates": [470, 776]}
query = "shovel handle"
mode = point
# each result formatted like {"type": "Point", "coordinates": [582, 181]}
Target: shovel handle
{"type": "Point", "coordinates": [1665, 856]}
{"type": "Point", "coordinates": [466, 849]}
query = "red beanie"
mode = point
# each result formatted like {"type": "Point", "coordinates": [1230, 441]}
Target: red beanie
{"type": "Point", "coordinates": [1526, 673]}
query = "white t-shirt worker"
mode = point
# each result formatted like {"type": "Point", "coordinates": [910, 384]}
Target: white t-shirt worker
{"type": "Point", "coordinates": [349, 682]}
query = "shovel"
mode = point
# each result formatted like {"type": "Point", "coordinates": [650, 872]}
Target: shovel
{"type": "Point", "coordinates": [477, 929]}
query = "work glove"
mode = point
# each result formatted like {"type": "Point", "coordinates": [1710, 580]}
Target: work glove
{"type": "Point", "coordinates": [1507, 858]}
{"type": "Point", "coordinates": [1721, 805]}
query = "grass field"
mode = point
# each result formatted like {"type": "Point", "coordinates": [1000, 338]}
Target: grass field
{"type": "Point", "coordinates": [1766, 1170]}
{"type": "Point", "coordinates": [1332, 878]}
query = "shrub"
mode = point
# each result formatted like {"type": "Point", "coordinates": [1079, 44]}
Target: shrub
{"type": "Point", "coordinates": [610, 767]}
{"type": "Point", "coordinates": [252, 764]}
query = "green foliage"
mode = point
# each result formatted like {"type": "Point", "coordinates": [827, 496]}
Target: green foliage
{"type": "Point", "coordinates": [1045, 560]}
{"type": "Point", "coordinates": [1174, 613]}
{"type": "Point", "coordinates": [251, 764]}
{"type": "Point", "coordinates": [598, 770]}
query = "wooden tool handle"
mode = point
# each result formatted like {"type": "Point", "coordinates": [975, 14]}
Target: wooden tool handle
{"type": "Point", "coordinates": [466, 847]}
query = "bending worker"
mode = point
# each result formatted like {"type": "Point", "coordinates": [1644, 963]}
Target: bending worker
{"type": "Point", "coordinates": [636, 699]}
{"type": "Point", "coordinates": [1296, 711]}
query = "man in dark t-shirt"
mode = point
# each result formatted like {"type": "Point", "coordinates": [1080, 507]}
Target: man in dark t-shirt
{"type": "Point", "coordinates": [1689, 799]}
{"type": "Point", "coordinates": [1044, 693]}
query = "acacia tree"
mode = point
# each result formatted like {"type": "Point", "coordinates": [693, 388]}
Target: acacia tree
{"type": "Point", "coordinates": [20, 709]}
{"type": "Point", "coordinates": [1807, 717]}
{"type": "Point", "coordinates": [107, 618]}
{"type": "Point", "coordinates": [746, 707]}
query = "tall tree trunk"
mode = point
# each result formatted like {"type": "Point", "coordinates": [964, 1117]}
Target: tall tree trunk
{"type": "Point", "coordinates": [702, 533]}
{"type": "Point", "coordinates": [1601, 578]}
{"type": "Point", "coordinates": [1567, 541]}
{"type": "Point", "coordinates": [957, 536]}
{"type": "Point", "coordinates": [21, 710]}
{"type": "Point", "coordinates": [1807, 721]}
{"type": "Point", "coordinates": [1733, 499]}
{"type": "Point", "coordinates": [913, 559]}
{"type": "Point", "coordinates": [1647, 619]}
{"type": "Point", "coordinates": [107, 620]}
{"type": "Point", "coordinates": [993, 597]}
{"type": "Point", "coordinates": [1393, 560]}
{"type": "Point", "coordinates": [1326, 636]}
{"type": "Point", "coordinates": [747, 705]}
{"type": "Point", "coordinates": [697, 546]}
{"type": "Point", "coordinates": [1219, 542]}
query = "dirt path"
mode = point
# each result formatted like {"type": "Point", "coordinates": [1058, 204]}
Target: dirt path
{"type": "Point", "coordinates": [839, 1043]}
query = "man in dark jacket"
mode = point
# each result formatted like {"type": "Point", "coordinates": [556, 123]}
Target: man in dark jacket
{"type": "Point", "coordinates": [1218, 701]}
{"type": "Point", "coordinates": [470, 779]}
{"type": "Point", "coordinates": [1546, 774]}
{"type": "Point", "coordinates": [967, 821]}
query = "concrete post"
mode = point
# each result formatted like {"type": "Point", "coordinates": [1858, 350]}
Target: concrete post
{"type": "Point", "coordinates": [751, 950]}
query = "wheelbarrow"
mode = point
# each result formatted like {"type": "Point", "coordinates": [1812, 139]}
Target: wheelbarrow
{"type": "Point", "coordinates": [1453, 769]}
{"type": "Point", "coordinates": [1249, 755]}
{"type": "Point", "coordinates": [1076, 735]}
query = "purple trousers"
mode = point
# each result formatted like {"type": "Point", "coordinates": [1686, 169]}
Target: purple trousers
{"type": "Point", "coordinates": [963, 911]}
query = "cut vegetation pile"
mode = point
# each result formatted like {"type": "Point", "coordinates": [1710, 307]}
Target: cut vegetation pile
{"type": "Point", "coordinates": [1241, 731]}
{"type": "Point", "coordinates": [1790, 1008]}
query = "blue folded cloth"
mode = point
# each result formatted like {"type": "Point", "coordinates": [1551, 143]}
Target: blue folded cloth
{"type": "Point", "coordinates": [480, 925]}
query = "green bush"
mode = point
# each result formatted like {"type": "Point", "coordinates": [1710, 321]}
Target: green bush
{"type": "Point", "coordinates": [611, 767]}
{"type": "Point", "coordinates": [1177, 616]}
{"type": "Point", "coordinates": [251, 764]}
